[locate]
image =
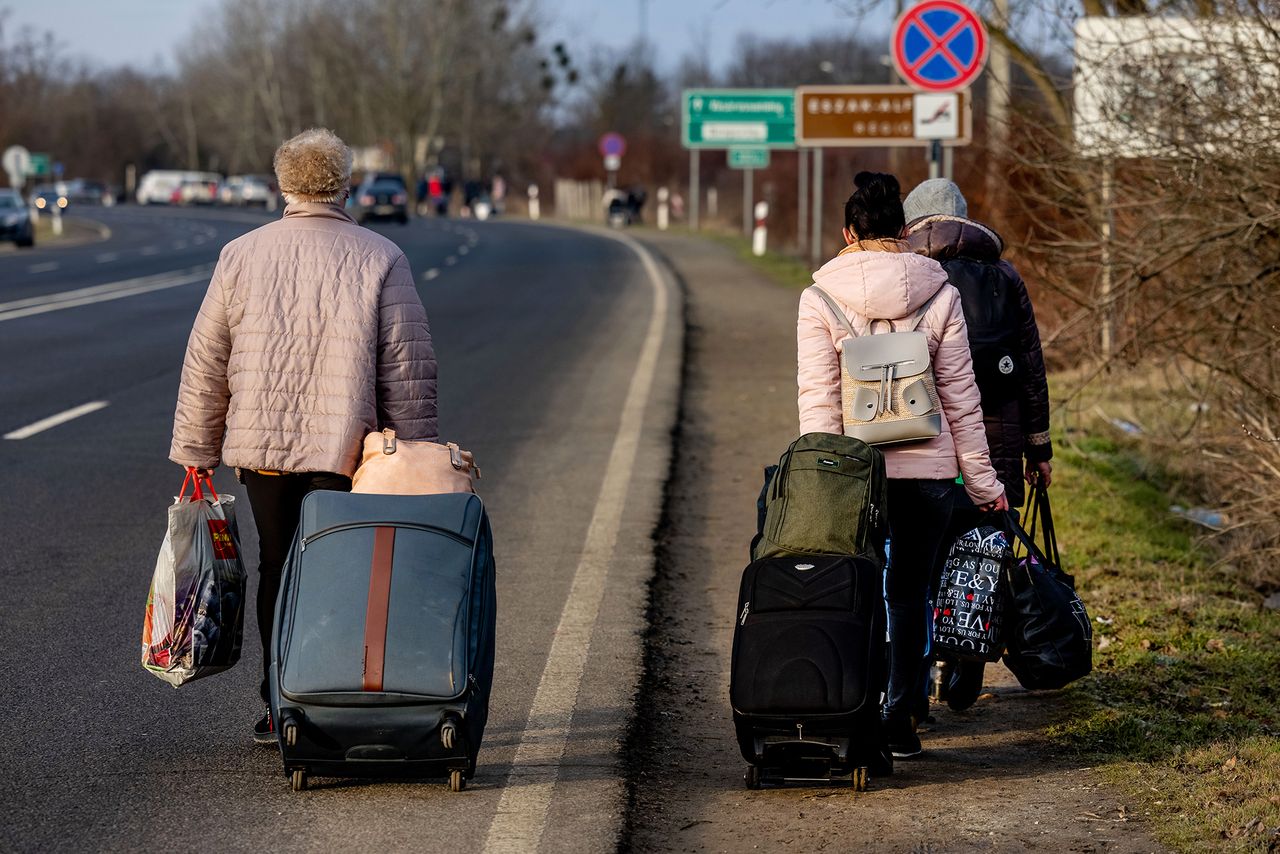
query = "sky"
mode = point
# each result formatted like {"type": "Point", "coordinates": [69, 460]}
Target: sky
{"type": "Point", "coordinates": [142, 32]}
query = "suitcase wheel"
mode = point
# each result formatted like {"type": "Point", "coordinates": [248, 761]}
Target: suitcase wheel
{"type": "Point", "coordinates": [457, 780]}
{"type": "Point", "coordinates": [859, 779]}
{"type": "Point", "coordinates": [449, 736]}
{"type": "Point", "coordinates": [291, 734]}
{"type": "Point", "coordinates": [752, 777]}
{"type": "Point", "coordinates": [298, 779]}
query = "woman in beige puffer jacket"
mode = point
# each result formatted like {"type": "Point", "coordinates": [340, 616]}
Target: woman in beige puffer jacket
{"type": "Point", "coordinates": [311, 335]}
{"type": "Point", "coordinates": [878, 277]}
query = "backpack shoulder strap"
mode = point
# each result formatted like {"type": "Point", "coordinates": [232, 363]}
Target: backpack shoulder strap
{"type": "Point", "coordinates": [922, 311]}
{"type": "Point", "coordinates": [839, 312]}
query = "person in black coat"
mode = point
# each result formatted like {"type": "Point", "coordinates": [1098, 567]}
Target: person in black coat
{"type": "Point", "coordinates": [1007, 359]}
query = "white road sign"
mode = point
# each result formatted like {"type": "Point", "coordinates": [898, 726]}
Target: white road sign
{"type": "Point", "coordinates": [17, 162]}
{"type": "Point", "coordinates": [937, 116]}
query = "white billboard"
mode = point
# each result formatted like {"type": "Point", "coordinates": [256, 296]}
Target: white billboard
{"type": "Point", "coordinates": [1147, 87]}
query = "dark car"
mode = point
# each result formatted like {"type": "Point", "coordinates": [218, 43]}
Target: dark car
{"type": "Point", "coordinates": [15, 220]}
{"type": "Point", "coordinates": [380, 196]}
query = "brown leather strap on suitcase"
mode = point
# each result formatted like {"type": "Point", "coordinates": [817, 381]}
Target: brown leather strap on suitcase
{"type": "Point", "coordinates": [375, 617]}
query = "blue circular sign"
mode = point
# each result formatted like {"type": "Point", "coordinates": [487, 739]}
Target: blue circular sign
{"type": "Point", "coordinates": [939, 45]}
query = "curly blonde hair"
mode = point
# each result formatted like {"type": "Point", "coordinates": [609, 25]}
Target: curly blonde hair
{"type": "Point", "coordinates": [314, 166]}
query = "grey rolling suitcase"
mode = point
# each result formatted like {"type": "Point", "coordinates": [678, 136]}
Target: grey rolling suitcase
{"type": "Point", "coordinates": [382, 654]}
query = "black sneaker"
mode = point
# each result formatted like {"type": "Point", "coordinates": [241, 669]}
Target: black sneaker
{"type": "Point", "coordinates": [900, 738]}
{"type": "Point", "coordinates": [264, 731]}
{"type": "Point", "coordinates": [965, 684]}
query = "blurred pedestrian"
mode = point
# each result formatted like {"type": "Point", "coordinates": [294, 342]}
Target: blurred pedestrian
{"type": "Point", "coordinates": [310, 336]}
{"type": "Point", "coordinates": [877, 277]}
{"type": "Point", "coordinates": [1007, 360]}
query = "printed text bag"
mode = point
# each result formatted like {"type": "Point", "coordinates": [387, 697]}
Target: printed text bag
{"type": "Point", "coordinates": [970, 604]}
{"type": "Point", "coordinates": [195, 610]}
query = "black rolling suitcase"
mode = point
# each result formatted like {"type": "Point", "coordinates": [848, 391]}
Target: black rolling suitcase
{"type": "Point", "coordinates": [382, 655]}
{"type": "Point", "coordinates": [808, 669]}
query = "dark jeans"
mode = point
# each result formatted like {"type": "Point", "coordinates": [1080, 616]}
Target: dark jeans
{"type": "Point", "coordinates": [919, 520]}
{"type": "Point", "coordinates": [276, 500]}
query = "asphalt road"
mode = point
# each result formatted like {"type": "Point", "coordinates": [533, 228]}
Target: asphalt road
{"type": "Point", "coordinates": [559, 354]}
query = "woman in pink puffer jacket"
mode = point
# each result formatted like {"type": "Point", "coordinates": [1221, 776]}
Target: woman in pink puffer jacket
{"type": "Point", "coordinates": [311, 335]}
{"type": "Point", "coordinates": [878, 277]}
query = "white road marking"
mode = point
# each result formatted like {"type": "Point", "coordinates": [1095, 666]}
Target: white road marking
{"type": "Point", "coordinates": [451, 260]}
{"type": "Point", "coordinates": [43, 268]}
{"type": "Point", "coordinates": [180, 245]}
{"type": "Point", "coordinates": [149, 250]}
{"type": "Point", "coordinates": [430, 274]}
{"type": "Point", "coordinates": [54, 420]}
{"type": "Point", "coordinates": [102, 293]}
{"type": "Point", "coordinates": [464, 249]}
{"type": "Point", "coordinates": [522, 811]}
{"type": "Point", "coordinates": [106, 256]}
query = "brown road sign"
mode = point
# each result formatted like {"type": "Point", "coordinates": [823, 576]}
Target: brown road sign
{"type": "Point", "coordinates": [865, 116]}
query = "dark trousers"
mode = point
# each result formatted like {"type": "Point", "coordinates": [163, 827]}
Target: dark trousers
{"type": "Point", "coordinates": [919, 520]}
{"type": "Point", "coordinates": [276, 501]}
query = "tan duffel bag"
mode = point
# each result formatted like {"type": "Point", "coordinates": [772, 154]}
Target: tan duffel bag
{"type": "Point", "coordinates": [391, 466]}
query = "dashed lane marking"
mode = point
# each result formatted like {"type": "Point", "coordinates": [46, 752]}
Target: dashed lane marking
{"type": "Point", "coordinates": [105, 257]}
{"type": "Point", "coordinates": [451, 260]}
{"type": "Point", "coordinates": [102, 293]}
{"type": "Point", "coordinates": [54, 420]}
{"type": "Point", "coordinates": [522, 811]}
{"type": "Point", "coordinates": [43, 268]}
{"type": "Point", "coordinates": [149, 250]}
{"type": "Point", "coordinates": [464, 249]}
{"type": "Point", "coordinates": [430, 274]}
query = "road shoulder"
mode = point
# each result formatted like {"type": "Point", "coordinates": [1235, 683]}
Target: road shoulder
{"type": "Point", "coordinates": [990, 780]}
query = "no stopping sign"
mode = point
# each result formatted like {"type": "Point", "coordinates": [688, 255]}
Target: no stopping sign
{"type": "Point", "coordinates": [939, 45]}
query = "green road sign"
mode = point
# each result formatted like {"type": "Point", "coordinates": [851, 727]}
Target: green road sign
{"type": "Point", "coordinates": [724, 118]}
{"type": "Point", "coordinates": [749, 158]}
{"type": "Point", "coordinates": [39, 165]}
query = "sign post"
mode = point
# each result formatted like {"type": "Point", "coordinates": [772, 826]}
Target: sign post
{"type": "Point", "coordinates": [17, 163]}
{"type": "Point", "coordinates": [755, 119]}
{"type": "Point", "coordinates": [612, 147]}
{"type": "Point", "coordinates": [748, 160]}
{"type": "Point", "coordinates": [938, 46]}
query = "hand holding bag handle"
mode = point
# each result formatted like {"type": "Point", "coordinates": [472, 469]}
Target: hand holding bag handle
{"type": "Point", "coordinates": [193, 479]}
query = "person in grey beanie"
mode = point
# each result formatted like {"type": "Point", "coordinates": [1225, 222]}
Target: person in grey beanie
{"type": "Point", "coordinates": [1007, 358]}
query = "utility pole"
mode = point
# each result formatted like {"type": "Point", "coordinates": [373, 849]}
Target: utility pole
{"type": "Point", "coordinates": [998, 82]}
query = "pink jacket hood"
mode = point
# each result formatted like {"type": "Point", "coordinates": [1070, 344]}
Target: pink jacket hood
{"type": "Point", "coordinates": [881, 284]}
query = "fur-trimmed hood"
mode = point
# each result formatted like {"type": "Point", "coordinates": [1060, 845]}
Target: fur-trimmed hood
{"type": "Point", "coordinates": [942, 237]}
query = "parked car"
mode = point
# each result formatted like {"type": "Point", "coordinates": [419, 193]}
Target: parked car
{"type": "Point", "coordinates": [380, 195]}
{"type": "Point", "coordinates": [196, 192]}
{"type": "Point", "coordinates": [80, 191]}
{"type": "Point", "coordinates": [162, 186]}
{"type": "Point", "coordinates": [15, 220]}
{"type": "Point", "coordinates": [249, 190]}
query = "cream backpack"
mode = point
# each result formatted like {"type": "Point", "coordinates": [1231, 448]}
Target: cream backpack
{"type": "Point", "coordinates": [888, 394]}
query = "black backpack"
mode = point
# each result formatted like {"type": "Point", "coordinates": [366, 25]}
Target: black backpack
{"type": "Point", "coordinates": [993, 314]}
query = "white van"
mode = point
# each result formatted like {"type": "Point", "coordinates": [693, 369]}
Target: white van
{"type": "Point", "coordinates": [159, 186]}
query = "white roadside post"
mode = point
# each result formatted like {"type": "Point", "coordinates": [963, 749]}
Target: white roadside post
{"type": "Point", "coordinates": [664, 208]}
{"type": "Point", "coordinates": [60, 188]}
{"type": "Point", "coordinates": [535, 206]}
{"type": "Point", "coordinates": [760, 236]}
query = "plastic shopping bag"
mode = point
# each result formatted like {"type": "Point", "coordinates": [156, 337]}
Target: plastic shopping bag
{"type": "Point", "coordinates": [194, 622]}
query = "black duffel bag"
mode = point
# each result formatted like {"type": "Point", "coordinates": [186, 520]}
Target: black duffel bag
{"type": "Point", "coordinates": [1048, 635]}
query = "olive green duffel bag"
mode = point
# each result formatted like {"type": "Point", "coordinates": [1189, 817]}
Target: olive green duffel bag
{"type": "Point", "coordinates": [829, 496]}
